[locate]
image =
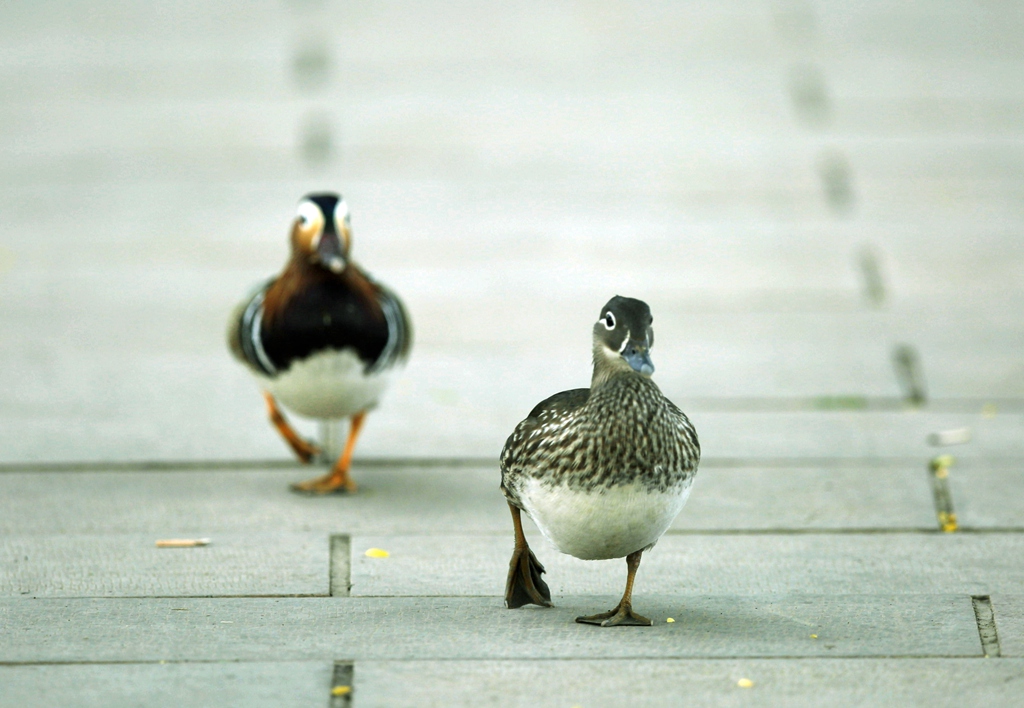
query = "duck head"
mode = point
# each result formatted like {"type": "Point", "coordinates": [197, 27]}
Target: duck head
{"type": "Point", "coordinates": [322, 231]}
{"type": "Point", "coordinates": [623, 338]}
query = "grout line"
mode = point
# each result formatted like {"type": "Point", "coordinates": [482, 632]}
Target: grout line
{"type": "Point", "coordinates": [986, 625]}
{"type": "Point", "coordinates": [943, 496]}
{"type": "Point", "coordinates": [235, 465]}
{"type": "Point", "coordinates": [909, 374]}
{"type": "Point", "coordinates": [316, 142]}
{"type": "Point", "coordinates": [497, 659]}
{"type": "Point", "coordinates": [445, 462]}
{"type": "Point", "coordinates": [852, 403]}
{"type": "Point", "coordinates": [342, 684]}
{"type": "Point", "coordinates": [311, 74]}
{"type": "Point", "coordinates": [841, 531]}
{"type": "Point", "coordinates": [871, 273]}
{"type": "Point", "coordinates": [681, 658]}
{"type": "Point", "coordinates": [805, 532]}
{"type": "Point", "coordinates": [809, 95]}
{"type": "Point", "coordinates": [837, 531]}
{"type": "Point", "coordinates": [836, 181]}
{"type": "Point", "coordinates": [42, 598]}
{"type": "Point", "coordinates": [340, 565]}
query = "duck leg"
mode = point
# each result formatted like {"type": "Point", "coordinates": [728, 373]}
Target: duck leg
{"type": "Point", "coordinates": [303, 449]}
{"type": "Point", "coordinates": [337, 480]}
{"type": "Point", "coordinates": [524, 585]}
{"type": "Point", "coordinates": [623, 614]}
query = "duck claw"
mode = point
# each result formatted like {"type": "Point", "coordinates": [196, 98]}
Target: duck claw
{"type": "Point", "coordinates": [621, 616]}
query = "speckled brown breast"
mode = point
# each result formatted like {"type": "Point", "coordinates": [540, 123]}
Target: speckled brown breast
{"type": "Point", "coordinates": [624, 431]}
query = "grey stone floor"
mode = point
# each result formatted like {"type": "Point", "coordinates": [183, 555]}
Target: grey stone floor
{"type": "Point", "coordinates": [801, 190]}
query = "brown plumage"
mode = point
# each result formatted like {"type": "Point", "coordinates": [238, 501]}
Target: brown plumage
{"type": "Point", "coordinates": [602, 471]}
{"type": "Point", "coordinates": [322, 336]}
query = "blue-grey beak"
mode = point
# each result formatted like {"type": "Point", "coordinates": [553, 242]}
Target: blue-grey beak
{"type": "Point", "coordinates": [638, 357]}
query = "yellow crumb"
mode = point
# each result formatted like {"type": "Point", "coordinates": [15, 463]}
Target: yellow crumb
{"type": "Point", "coordinates": [670, 620]}
{"type": "Point", "coordinates": [744, 683]}
{"type": "Point", "coordinates": [341, 690]}
{"type": "Point", "coordinates": [814, 636]}
{"type": "Point", "coordinates": [376, 553]}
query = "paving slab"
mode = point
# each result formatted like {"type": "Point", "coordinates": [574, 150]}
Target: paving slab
{"type": "Point", "coordinates": [435, 410]}
{"type": "Point", "coordinates": [988, 495]}
{"type": "Point", "coordinates": [891, 495]}
{"type": "Point", "coordinates": [189, 685]}
{"type": "Point", "coordinates": [931, 261]}
{"type": "Point", "coordinates": [956, 369]}
{"type": "Point", "coordinates": [264, 629]}
{"type": "Point", "coordinates": [469, 122]}
{"type": "Point", "coordinates": [596, 70]}
{"type": "Point", "coordinates": [953, 30]}
{"type": "Point", "coordinates": [441, 498]}
{"type": "Point", "coordinates": [969, 564]}
{"type": "Point", "coordinates": [81, 390]}
{"type": "Point", "coordinates": [83, 565]}
{"type": "Point", "coordinates": [526, 232]}
{"type": "Point", "coordinates": [789, 682]}
{"type": "Point", "coordinates": [883, 116]}
{"type": "Point", "coordinates": [1008, 610]}
{"type": "Point", "coordinates": [654, 682]}
{"type": "Point", "coordinates": [845, 435]}
{"type": "Point", "coordinates": [446, 498]}
{"type": "Point", "coordinates": [919, 176]}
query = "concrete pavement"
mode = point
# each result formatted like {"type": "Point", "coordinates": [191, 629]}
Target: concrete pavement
{"type": "Point", "coordinates": [800, 190]}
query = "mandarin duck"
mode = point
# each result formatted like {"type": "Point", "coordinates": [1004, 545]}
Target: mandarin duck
{"type": "Point", "coordinates": [602, 471]}
{"type": "Point", "coordinates": [323, 337]}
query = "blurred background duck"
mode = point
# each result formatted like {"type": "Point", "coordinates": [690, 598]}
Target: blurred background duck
{"type": "Point", "coordinates": [322, 337]}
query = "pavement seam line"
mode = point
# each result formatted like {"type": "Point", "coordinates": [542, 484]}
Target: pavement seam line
{"type": "Point", "coordinates": [342, 684]}
{"type": "Point", "coordinates": [872, 279]}
{"type": "Point", "coordinates": [986, 620]}
{"type": "Point", "coordinates": [252, 465]}
{"type": "Point", "coordinates": [547, 659]}
{"type": "Point", "coordinates": [340, 565]}
{"type": "Point", "coordinates": [906, 363]}
{"type": "Point", "coordinates": [836, 177]}
{"type": "Point", "coordinates": [942, 494]}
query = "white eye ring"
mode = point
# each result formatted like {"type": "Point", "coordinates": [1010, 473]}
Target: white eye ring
{"type": "Point", "coordinates": [341, 215]}
{"type": "Point", "coordinates": [608, 320]}
{"type": "Point", "coordinates": [308, 213]}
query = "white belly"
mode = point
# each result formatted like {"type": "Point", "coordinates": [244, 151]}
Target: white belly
{"type": "Point", "coordinates": [611, 523]}
{"type": "Point", "coordinates": [330, 384]}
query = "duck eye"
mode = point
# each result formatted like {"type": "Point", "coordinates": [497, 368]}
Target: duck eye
{"type": "Point", "coordinates": [608, 320]}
